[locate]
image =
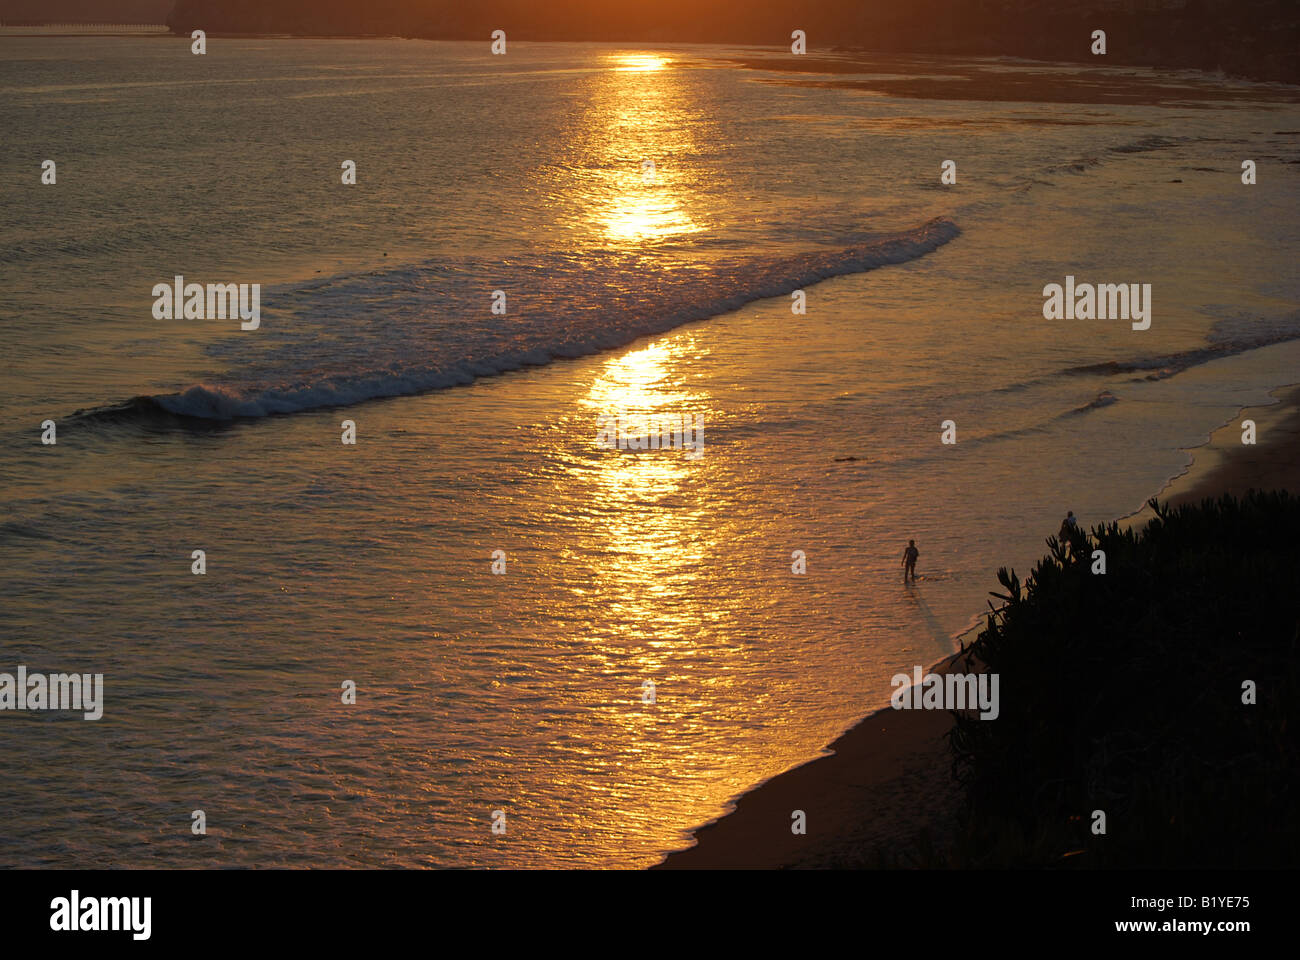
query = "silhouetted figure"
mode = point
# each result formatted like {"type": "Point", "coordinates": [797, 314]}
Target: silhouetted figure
{"type": "Point", "coordinates": [1069, 526]}
{"type": "Point", "coordinates": [909, 561]}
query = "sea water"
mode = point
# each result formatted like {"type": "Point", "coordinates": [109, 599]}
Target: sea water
{"type": "Point", "coordinates": [535, 244]}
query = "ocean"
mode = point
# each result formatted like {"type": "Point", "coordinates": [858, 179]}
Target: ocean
{"type": "Point", "coordinates": [536, 243]}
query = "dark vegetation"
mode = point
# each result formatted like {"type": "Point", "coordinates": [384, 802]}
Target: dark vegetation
{"type": "Point", "coordinates": [1123, 693]}
{"type": "Point", "coordinates": [1259, 39]}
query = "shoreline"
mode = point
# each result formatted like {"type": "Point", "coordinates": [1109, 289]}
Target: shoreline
{"type": "Point", "coordinates": [832, 59]}
{"type": "Point", "coordinates": [884, 788]}
{"type": "Point", "coordinates": [1225, 465]}
{"type": "Point", "coordinates": [859, 798]}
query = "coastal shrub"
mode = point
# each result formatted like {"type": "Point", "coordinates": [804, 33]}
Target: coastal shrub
{"type": "Point", "coordinates": [1123, 692]}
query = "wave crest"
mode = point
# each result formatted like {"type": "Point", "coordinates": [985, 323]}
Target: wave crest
{"type": "Point", "coordinates": [420, 328]}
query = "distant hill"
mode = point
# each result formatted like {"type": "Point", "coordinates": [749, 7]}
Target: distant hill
{"type": "Point", "coordinates": [1251, 38]}
{"type": "Point", "coordinates": [86, 11]}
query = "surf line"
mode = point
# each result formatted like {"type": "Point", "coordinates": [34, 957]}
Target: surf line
{"type": "Point", "coordinates": [1104, 301]}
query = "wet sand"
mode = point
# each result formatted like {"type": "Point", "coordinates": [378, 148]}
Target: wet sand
{"type": "Point", "coordinates": [885, 790]}
{"type": "Point", "coordinates": [1226, 465]}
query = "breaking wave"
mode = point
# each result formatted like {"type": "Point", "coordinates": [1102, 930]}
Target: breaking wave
{"type": "Point", "coordinates": [429, 326]}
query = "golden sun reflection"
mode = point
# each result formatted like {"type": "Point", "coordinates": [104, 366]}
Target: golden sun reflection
{"type": "Point", "coordinates": [637, 380]}
{"type": "Point", "coordinates": [637, 215]}
{"type": "Point", "coordinates": [643, 121]}
{"type": "Point", "coordinates": [638, 486]}
{"type": "Point", "coordinates": [639, 62]}
{"type": "Point", "coordinates": [658, 541]}
{"type": "Point", "coordinates": [640, 381]}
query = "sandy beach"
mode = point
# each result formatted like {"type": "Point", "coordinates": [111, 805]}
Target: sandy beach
{"type": "Point", "coordinates": [885, 787]}
{"type": "Point", "coordinates": [884, 793]}
{"type": "Point", "coordinates": [1226, 465]}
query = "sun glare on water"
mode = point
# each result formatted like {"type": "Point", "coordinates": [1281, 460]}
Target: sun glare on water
{"type": "Point", "coordinates": [639, 62]}
{"type": "Point", "coordinates": [643, 117]}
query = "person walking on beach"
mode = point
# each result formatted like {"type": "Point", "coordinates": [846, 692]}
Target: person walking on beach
{"type": "Point", "coordinates": [1066, 534]}
{"type": "Point", "coordinates": [909, 561]}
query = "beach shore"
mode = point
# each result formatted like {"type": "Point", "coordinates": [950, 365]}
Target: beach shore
{"type": "Point", "coordinates": [885, 790]}
{"type": "Point", "coordinates": [1226, 465]}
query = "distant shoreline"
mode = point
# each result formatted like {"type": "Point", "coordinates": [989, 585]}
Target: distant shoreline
{"type": "Point", "coordinates": [841, 58]}
{"type": "Point", "coordinates": [884, 790]}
